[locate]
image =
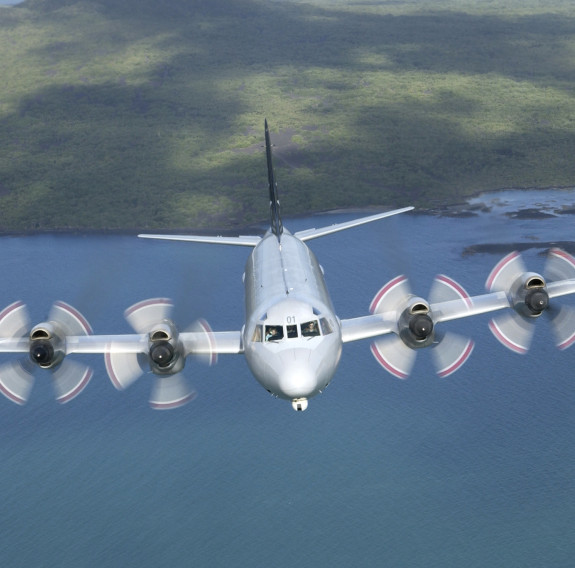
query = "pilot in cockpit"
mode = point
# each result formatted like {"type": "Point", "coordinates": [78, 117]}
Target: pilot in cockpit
{"type": "Point", "coordinates": [309, 329]}
{"type": "Point", "coordinates": [272, 333]}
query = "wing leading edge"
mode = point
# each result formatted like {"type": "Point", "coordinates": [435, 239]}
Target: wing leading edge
{"type": "Point", "coordinates": [221, 342]}
{"type": "Point", "coordinates": [374, 325]}
{"type": "Point", "coordinates": [401, 323]}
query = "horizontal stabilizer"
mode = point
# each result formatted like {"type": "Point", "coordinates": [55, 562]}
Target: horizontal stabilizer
{"type": "Point", "coordinates": [309, 234]}
{"type": "Point", "coordinates": [253, 240]}
{"type": "Point", "coordinates": [246, 240]}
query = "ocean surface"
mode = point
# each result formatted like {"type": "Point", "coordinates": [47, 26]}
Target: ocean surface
{"type": "Point", "coordinates": [473, 470]}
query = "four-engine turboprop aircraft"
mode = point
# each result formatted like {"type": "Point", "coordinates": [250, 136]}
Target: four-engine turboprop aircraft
{"type": "Point", "coordinates": [292, 338]}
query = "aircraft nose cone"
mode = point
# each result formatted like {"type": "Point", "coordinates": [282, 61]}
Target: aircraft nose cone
{"type": "Point", "coordinates": [297, 382]}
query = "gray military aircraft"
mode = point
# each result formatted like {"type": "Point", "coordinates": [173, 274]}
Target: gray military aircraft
{"type": "Point", "coordinates": [292, 338]}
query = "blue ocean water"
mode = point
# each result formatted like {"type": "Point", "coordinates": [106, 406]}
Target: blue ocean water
{"type": "Point", "coordinates": [474, 470]}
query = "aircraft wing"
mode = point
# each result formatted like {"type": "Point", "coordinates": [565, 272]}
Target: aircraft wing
{"type": "Point", "coordinates": [219, 342]}
{"type": "Point", "coordinates": [194, 343]}
{"type": "Point", "coordinates": [14, 345]}
{"type": "Point", "coordinates": [401, 323]}
{"type": "Point", "coordinates": [374, 325]}
{"type": "Point", "coordinates": [456, 309]}
{"type": "Point", "coordinates": [398, 334]}
{"type": "Point", "coordinates": [129, 343]}
{"type": "Point", "coordinates": [368, 326]}
{"type": "Point", "coordinates": [245, 240]}
{"type": "Point", "coordinates": [377, 324]}
{"type": "Point", "coordinates": [561, 288]}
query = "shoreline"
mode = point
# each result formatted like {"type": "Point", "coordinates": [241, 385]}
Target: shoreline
{"type": "Point", "coordinates": [459, 210]}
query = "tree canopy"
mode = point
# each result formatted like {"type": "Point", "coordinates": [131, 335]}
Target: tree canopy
{"type": "Point", "coordinates": [149, 113]}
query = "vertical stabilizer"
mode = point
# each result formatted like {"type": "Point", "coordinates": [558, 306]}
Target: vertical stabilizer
{"type": "Point", "coordinates": [276, 220]}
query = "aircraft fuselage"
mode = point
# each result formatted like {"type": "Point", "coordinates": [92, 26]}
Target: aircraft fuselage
{"type": "Point", "coordinates": [292, 337]}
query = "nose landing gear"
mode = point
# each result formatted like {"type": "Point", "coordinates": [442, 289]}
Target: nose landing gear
{"type": "Point", "coordinates": [299, 404]}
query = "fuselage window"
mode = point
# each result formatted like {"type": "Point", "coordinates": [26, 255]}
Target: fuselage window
{"type": "Point", "coordinates": [325, 326]}
{"type": "Point", "coordinates": [310, 328]}
{"type": "Point", "coordinates": [274, 332]}
{"type": "Point", "coordinates": [291, 331]}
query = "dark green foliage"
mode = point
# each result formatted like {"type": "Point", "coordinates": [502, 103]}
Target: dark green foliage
{"type": "Point", "coordinates": [149, 113]}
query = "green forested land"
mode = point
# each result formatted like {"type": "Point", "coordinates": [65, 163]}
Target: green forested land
{"type": "Point", "coordinates": [149, 113]}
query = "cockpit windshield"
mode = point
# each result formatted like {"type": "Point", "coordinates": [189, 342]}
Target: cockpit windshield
{"type": "Point", "coordinates": [309, 328]}
{"type": "Point", "coordinates": [312, 328]}
{"type": "Point", "coordinates": [274, 332]}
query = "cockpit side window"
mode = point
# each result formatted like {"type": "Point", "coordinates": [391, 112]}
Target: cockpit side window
{"type": "Point", "coordinates": [257, 336]}
{"type": "Point", "coordinates": [274, 332]}
{"type": "Point", "coordinates": [310, 328]}
{"type": "Point", "coordinates": [326, 328]}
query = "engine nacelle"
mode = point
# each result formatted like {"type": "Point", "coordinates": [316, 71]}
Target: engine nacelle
{"type": "Point", "coordinates": [416, 327]}
{"type": "Point", "coordinates": [47, 345]}
{"type": "Point", "coordinates": [415, 324]}
{"type": "Point", "coordinates": [166, 353]}
{"type": "Point", "coordinates": [529, 295]}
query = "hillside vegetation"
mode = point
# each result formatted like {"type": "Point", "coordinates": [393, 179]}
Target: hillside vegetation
{"type": "Point", "coordinates": [149, 113]}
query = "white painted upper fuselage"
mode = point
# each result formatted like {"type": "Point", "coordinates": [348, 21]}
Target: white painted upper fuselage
{"type": "Point", "coordinates": [292, 337]}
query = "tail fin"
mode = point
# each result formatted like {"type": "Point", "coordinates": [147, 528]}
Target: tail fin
{"type": "Point", "coordinates": [276, 220]}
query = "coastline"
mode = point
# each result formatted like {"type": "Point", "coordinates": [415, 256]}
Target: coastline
{"type": "Point", "coordinates": [482, 203]}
